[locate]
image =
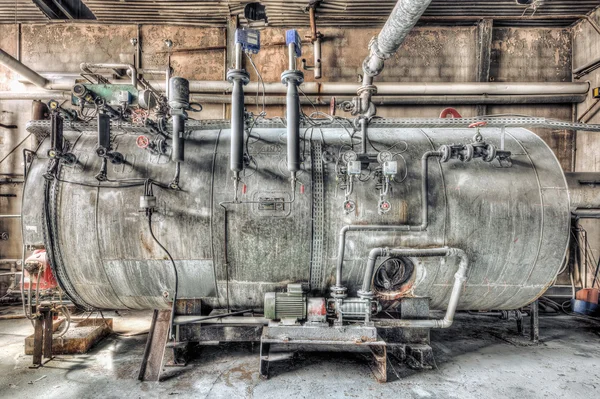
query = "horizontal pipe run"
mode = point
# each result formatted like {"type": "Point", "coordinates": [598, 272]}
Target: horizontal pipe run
{"type": "Point", "coordinates": [459, 278]}
{"type": "Point", "coordinates": [402, 227]}
{"type": "Point", "coordinates": [10, 216]}
{"type": "Point", "coordinates": [591, 213]}
{"type": "Point", "coordinates": [383, 89]}
{"type": "Point", "coordinates": [401, 89]}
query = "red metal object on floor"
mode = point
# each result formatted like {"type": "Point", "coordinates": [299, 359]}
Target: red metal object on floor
{"type": "Point", "coordinates": [38, 262]}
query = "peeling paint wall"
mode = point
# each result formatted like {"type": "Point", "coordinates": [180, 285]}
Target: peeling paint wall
{"type": "Point", "coordinates": [430, 54]}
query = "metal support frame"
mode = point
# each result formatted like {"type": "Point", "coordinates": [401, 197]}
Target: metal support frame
{"type": "Point", "coordinates": [42, 336]}
{"type": "Point", "coordinates": [344, 339]}
{"type": "Point", "coordinates": [534, 317]}
{"type": "Point", "coordinates": [156, 345]}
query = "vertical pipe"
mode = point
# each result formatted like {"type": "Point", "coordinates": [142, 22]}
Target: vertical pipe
{"type": "Point", "coordinates": [363, 131]}
{"type": "Point", "coordinates": [291, 56]}
{"type": "Point", "coordinates": [178, 140]}
{"type": "Point", "coordinates": [238, 56]}
{"type": "Point", "coordinates": [293, 127]}
{"type": "Point", "coordinates": [317, 54]}
{"type": "Point", "coordinates": [238, 78]}
{"type": "Point", "coordinates": [237, 126]}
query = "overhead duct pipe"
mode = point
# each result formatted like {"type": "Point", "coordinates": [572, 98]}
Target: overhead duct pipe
{"type": "Point", "coordinates": [402, 20]}
{"type": "Point", "coordinates": [16, 66]}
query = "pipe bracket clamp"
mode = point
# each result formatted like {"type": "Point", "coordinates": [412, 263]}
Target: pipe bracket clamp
{"type": "Point", "coordinates": [366, 89]}
{"type": "Point", "coordinates": [238, 74]}
{"type": "Point", "coordinates": [292, 75]}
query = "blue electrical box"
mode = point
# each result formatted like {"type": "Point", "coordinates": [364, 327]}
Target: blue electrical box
{"type": "Point", "coordinates": [292, 36]}
{"type": "Point", "coordinates": [249, 39]}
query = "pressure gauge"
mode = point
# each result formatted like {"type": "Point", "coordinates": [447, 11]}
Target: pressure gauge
{"type": "Point", "coordinates": [384, 156]}
{"type": "Point", "coordinates": [349, 156]}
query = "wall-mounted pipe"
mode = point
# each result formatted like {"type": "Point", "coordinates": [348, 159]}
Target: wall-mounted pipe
{"type": "Point", "coordinates": [384, 88]}
{"type": "Point", "coordinates": [273, 99]}
{"type": "Point", "coordinates": [403, 227]}
{"type": "Point", "coordinates": [459, 278]}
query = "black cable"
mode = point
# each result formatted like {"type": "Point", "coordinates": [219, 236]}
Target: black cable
{"type": "Point", "coordinates": [174, 269]}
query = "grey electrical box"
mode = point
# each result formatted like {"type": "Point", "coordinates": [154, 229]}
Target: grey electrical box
{"type": "Point", "coordinates": [354, 168]}
{"type": "Point", "coordinates": [390, 168]}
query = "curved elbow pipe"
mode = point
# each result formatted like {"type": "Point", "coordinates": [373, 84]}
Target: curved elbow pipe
{"type": "Point", "coordinates": [421, 227]}
{"type": "Point", "coordinates": [459, 278]}
{"type": "Point", "coordinates": [404, 17]}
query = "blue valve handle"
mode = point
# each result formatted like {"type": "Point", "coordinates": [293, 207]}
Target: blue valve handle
{"type": "Point", "coordinates": [292, 36]}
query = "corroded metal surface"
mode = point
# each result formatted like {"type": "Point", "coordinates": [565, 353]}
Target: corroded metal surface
{"type": "Point", "coordinates": [513, 222]}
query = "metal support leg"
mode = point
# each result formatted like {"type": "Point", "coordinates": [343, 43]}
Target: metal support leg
{"type": "Point", "coordinates": [379, 363]}
{"type": "Point", "coordinates": [152, 362]}
{"type": "Point", "coordinates": [38, 336]}
{"type": "Point", "coordinates": [535, 323]}
{"type": "Point", "coordinates": [48, 330]}
{"type": "Point", "coordinates": [264, 360]}
{"type": "Point", "coordinates": [42, 336]}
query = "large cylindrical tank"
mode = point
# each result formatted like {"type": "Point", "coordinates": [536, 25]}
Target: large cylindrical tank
{"type": "Point", "coordinates": [512, 221]}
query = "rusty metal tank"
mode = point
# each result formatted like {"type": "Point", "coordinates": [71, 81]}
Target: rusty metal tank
{"type": "Point", "coordinates": [513, 222]}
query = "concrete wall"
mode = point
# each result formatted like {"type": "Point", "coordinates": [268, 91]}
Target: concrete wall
{"type": "Point", "coordinates": [430, 54]}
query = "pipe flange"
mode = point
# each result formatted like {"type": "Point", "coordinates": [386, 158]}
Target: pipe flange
{"type": "Point", "coordinates": [365, 294]}
{"type": "Point", "coordinates": [491, 153]}
{"type": "Point", "coordinates": [446, 151]}
{"type": "Point", "coordinates": [292, 75]}
{"type": "Point", "coordinates": [339, 292]}
{"type": "Point", "coordinates": [238, 74]}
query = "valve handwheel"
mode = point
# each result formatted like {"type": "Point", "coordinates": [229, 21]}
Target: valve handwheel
{"type": "Point", "coordinates": [142, 142]}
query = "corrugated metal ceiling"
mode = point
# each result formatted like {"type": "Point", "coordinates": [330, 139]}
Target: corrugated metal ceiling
{"type": "Point", "coordinates": [293, 12]}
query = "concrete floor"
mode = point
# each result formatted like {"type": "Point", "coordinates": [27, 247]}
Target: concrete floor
{"type": "Point", "coordinates": [477, 358]}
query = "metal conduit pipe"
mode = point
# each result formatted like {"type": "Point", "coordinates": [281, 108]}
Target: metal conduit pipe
{"type": "Point", "coordinates": [18, 67]}
{"type": "Point", "coordinates": [339, 289]}
{"type": "Point", "coordinates": [459, 278]}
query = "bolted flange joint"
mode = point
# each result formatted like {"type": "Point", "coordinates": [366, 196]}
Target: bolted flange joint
{"type": "Point", "coordinates": [238, 75]}
{"type": "Point", "coordinates": [292, 75]}
{"type": "Point", "coordinates": [339, 292]}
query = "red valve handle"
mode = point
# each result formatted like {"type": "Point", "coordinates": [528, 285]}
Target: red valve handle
{"type": "Point", "coordinates": [450, 112]}
{"type": "Point", "coordinates": [302, 189]}
{"type": "Point", "coordinates": [244, 189]}
{"type": "Point", "coordinates": [478, 124]}
{"type": "Point", "coordinates": [142, 142]}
